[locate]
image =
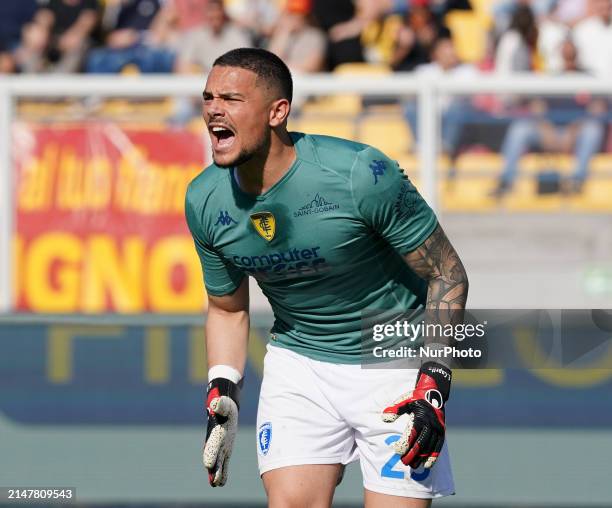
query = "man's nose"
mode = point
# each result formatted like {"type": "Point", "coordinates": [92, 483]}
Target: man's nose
{"type": "Point", "coordinates": [214, 107]}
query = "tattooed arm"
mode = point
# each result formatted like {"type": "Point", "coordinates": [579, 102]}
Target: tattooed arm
{"type": "Point", "coordinates": [421, 443]}
{"type": "Point", "coordinates": [437, 262]}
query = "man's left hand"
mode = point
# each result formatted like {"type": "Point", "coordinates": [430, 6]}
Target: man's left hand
{"type": "Point", "coordinates": [423, 437]}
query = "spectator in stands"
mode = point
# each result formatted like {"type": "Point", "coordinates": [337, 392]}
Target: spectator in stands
{"type": "Point", "coordinates": [503, 11]}
{"type": "Point", "coordinates": [416, 37]}
{"type": "Point", "coordinates": [201, 47]}
{"type": "Point", "coordinates": [569, 57]}
{"type": "Point", "coordinates": [566, 12]}
{"type": "Point", "coordinates": [14, 15]}
{"type": "Point", "coordinates": [456, 111]}
{"type": "Point", "coordinates": [379, 36]}
{"type": "Point", "coordinates": [258, 17]}
{"type": "Point", "coordinates": [557, 125]}
{"type": "Point", "coordinates": [130, 42]}
{"type": "Point", "coordinates": [593, 39]}
{"type": "Point", "coordinates": [296, 41]}
{"type": "Point", "coordinates": [552, 35]}
{"type": "Point", "coordinates": [343, 24]}
{"type": "Point", "coordinates": [517, 45]}
{"type": "Point", "coordinates": [7, 62]}
{"type": "Point", "coordinates": [176, 18]}
{"type": "Point", "coordinates": [571, 12]}
{"type": "Point", "coordinates": [385, 19]}
{"type": "Point", "coordinates": [59, 36]}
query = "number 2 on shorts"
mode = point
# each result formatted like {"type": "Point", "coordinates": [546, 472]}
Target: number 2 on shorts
{"type": "Point", "coordinates": [387, 470]}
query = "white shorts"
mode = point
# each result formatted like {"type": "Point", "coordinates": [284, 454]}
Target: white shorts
{"type": "Point", "coordinates": [313, 412]}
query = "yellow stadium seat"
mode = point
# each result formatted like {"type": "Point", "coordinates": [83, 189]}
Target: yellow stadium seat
{"type": "Point", "coordinates": [334, 104]}
{"type": "Point", "coordinates": [602, 164]}
{"type": "Point", "coordinates": [347, 104]}
{"type": "Point", "coordinates": [149, 110]}
{"type": "Point", "coordinates": [390, 134]}
{"type": "Point", "coordinates": [408, 162]}
{"type": "Point", "coordinates": [530, 164]}
{"type": "Point", "coordinates": [379, 36]}
{"type": "Point", "coordinates": [293, 125]}
{"type": "Point", "coordinates": [468, 194]}
{"type": "Point", "coordinates": [524, 197]}
{"type": "Point", "coordinates": [485, 163]}
{"type": "Point", "coordinates": [392, 109]}
{"type": "Point", "coordinates": [362, 68]}
{"type": "Point", "coordinates": [536, 162]}
{"type": "Point", "coordinates": [596, 196]}
{"type": "Point", "coordinates": [469, 30]}
{"type": "Point", "coordinates": [483, 7]}
{"type": "Point", "coordinates": [130, 70]}
{"type": "Point", "coordinates": [196, 125]}
{"type": "Point", "coordinates": [48, 109]}
{"type": "Point", "coordinates": [328, 126]}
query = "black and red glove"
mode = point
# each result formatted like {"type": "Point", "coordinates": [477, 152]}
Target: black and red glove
{"type": "Point", "coordinates": [423, 438]}
{"type": "Point", "coordinates": [222, 409]}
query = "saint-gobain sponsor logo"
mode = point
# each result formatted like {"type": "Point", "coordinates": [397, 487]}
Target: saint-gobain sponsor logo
{"type": "Point", "coordinates": [318, 205]}
{"type": "Point", "coordinates": [264, 436]}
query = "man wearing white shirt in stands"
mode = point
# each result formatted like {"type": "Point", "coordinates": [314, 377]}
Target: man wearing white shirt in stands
{"type": "Point", "coordinates": [456, 111]}
{"type": "Point", "coordinates": [593, 39]}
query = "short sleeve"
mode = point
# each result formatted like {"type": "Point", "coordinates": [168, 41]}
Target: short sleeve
{"type": "Point", "coordinates": [220, 276]}
{"type": "Point", "coordinates": [389, 203]}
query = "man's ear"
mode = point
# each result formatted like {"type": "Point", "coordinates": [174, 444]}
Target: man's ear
{"type": "Point", "coordinates": [279, 111]}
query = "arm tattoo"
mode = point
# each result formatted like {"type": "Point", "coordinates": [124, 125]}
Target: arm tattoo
{"type": "Point", "coordinates": [437, 262]}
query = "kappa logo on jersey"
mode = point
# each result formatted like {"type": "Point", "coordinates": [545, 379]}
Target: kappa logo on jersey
{"type": "Point", "coordinates": [265, 224]}
{"type": "Point", "coordinates": [224, 219]}
{"type": "Point", "coordinates": [318, 205]}
{"type": "Point", "coordinates": [378, 169]}
{"type": "Point", "coordinates": [264, 437]}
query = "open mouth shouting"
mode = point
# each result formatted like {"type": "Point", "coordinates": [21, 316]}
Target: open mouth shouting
{"type": "Point", "coordinates": [222, 137]}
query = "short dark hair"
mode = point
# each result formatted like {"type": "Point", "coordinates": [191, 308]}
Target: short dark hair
{"type": "Point", "coordinates": [265, 64]}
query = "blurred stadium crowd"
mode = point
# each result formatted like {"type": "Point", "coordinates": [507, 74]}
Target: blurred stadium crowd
{"type": "Point", "coordinates": [425, 37]}
{"type": "Point", "coordinates": [105, 36]}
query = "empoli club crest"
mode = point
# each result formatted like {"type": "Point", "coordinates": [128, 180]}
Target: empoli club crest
{"type": "Point", "coordinates": [265, 224]}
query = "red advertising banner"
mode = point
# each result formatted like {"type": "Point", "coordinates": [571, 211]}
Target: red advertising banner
{"type": "Point", "coordinates": [99, 224]}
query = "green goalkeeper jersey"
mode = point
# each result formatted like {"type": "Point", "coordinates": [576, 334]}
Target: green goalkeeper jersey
{"type": "Point", "coordinates": [324, 243]}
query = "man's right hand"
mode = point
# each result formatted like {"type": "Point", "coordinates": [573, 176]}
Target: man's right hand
{"type": "Point", "coordinates": [222, 408]}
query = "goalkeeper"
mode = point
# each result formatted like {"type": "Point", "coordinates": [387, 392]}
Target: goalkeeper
{"type": "Point", "coordinates": [328, 228]}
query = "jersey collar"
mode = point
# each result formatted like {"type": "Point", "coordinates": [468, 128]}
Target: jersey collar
{"type": "Point", "coordinates": [303, 151]}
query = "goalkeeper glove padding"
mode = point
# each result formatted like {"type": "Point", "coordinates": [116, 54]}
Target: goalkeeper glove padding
{"type": "Point", "coordinates": [423, 438]}
{"type": "Point", "coordinates": [222, 406]}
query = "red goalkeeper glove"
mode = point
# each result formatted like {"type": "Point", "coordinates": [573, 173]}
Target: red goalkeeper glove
{"type": "Point", "coordinates": [423, 438]}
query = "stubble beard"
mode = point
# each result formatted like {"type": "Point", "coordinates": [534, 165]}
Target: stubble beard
{"type": "Point", "coordinates": [246, 154]}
